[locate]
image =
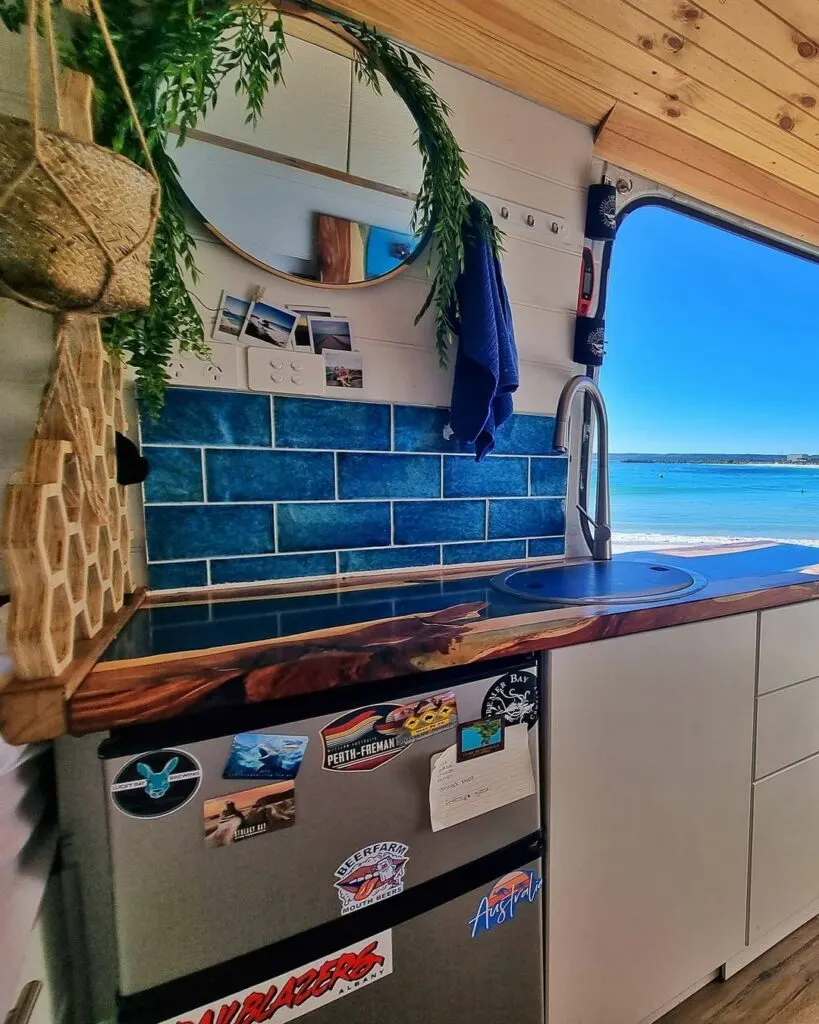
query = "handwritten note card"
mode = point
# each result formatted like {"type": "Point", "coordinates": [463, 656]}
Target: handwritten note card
{"type": "Point", "coordinates": [462, 790]}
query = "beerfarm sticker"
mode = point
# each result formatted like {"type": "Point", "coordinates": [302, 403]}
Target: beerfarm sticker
{"type": "Point", "coordinates": [297, 992]}
{"type": "Point", "coordinates": [370, 875]}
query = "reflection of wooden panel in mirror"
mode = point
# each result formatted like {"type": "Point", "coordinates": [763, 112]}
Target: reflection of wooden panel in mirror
{"type": "Point", "coordinates": [321, 189]}
{"type": "Point", "coordinates": [340, 250]}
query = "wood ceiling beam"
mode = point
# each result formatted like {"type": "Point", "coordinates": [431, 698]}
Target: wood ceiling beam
{"type": "Point", "coordinates": [648, 147]}
{"type": "Point", "coordinates": [427, 27]}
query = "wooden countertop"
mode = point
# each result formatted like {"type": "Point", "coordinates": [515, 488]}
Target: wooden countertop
{"type": "Point", "coordinates": [179, 654]}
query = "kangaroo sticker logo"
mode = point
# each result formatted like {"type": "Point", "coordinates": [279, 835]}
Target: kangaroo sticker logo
{"type": "Point", "coordinates": [156, 783]}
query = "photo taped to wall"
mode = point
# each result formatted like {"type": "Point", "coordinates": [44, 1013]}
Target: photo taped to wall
{"type": "Point", "coordinates": [301, 339]}
{"type": "Point", "coordinates": [230, 318]}
{"type": "Point", "coordinates": [270, 325]}
{"type": "Point", "coordinates": [330, 333]}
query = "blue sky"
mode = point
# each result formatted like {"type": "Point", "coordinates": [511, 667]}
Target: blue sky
{"type": "Point", "coordinates": [713, 341]}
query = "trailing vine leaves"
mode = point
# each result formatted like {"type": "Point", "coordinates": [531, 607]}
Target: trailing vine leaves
{"type": "Point", "coordinates": [176, 54]}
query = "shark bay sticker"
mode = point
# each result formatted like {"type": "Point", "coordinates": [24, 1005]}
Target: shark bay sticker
{"type": "Point", "coordinates": [364, 739]}
{"type": "Point", "coordinates": [502, 901]}
{"type": "Point", "coordinates": [156, 783]}
{"type": "Point", "coordinates": [309, 987]}
{"type": "Point", "coordinates": [514, 697]}
{"type": "Point", "coordinates": [370, 875]}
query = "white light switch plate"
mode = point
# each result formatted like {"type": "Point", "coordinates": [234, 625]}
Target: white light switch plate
{"type": "Point", "coordinates": [221, 370]}
{"type": "Point", "coordinates": [285, 372]}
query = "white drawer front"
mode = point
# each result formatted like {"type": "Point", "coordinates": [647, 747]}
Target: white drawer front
{"type": "Point", "coordinates": [785, 854]}
{"type": "Point", "coordinates": [787, 727]}
{"type": "Point", "coordinates": [788, 645]}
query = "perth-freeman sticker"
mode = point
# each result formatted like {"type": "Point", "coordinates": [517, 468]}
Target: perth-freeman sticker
{"type": "Point", "coordinates": [296, 993]}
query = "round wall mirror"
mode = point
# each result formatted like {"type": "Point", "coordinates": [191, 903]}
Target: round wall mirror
{"type": "Point", "coordinates": [321, 190]}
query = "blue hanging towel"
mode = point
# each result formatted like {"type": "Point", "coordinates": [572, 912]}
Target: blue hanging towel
{"type": "Point", "coordinates": [486, 367]}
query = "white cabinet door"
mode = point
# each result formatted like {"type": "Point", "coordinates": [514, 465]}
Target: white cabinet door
{"type": "Point", "coordinates": [785, 850]}
{"type": "Point", "coordinates": [650, 748]}
{"type": "Point", "coordinates": [788, 645]}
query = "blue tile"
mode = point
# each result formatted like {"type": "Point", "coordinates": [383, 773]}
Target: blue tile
{"type": "Point", "coordinates": [323, 423]}
{"type": "Point", "coordinates": [545, 547]}
{"type": "Point", "coordinates": [175, 474]}
{"type": "Point", "coordinates": [341, 524]}
{"type": "Point", "coordinates": [421, 522]}
{"type": "Point", "coordinates": [549, 477]}
{"type": "Point", "coordinates": [391, 558]}
{"type": "Point", "coordinates": [420, 429]}
{"type": "Point", "coordinates": [526, 517]}
{"type": "Point", "coordinates": [196, 416]}
{"type": "Point", "coordinates": [486, 551]}
{"type": "Point", "coordinates": [173, 575]}
{"type": "Point", "coordinates": [274, 567]}
{"type": "Point", "coordinates": [202, 531]}
{"type": "Point", "coordinates": [245, 475]}
{"type": "Point", "coordinates": [466, 478]}
{"type": "Point", "coordinates": [526, 435]}
{"type": "Point", "coordinates": [388, 476]}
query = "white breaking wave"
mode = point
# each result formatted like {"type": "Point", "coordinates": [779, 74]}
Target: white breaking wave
{"type": "Point", "coordinates": [653, 541]}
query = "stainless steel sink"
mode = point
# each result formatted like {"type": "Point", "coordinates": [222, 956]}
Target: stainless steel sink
{"type": "Point", "coordinates": [605, 582]}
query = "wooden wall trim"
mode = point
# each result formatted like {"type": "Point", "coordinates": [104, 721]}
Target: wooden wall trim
{"type": "Point", "coordinates": [646, 146]}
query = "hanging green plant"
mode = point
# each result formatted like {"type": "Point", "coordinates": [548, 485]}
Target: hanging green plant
{"type": "Point", "coordinates": [175, 54]}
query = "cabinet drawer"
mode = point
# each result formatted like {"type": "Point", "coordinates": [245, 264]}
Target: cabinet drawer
{"type": "Point", "coordinates": [788, 645]}
{"type": "Point", "coordinates": [785, 852]}
{"type": "Point", "coordinates": [787, 727]}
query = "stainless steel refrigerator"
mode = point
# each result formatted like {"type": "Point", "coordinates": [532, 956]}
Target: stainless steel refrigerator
{"type": "Point", "coordinates": [222, 891]}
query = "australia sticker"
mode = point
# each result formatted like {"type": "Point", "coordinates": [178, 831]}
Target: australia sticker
{"type": "Point", "coordinates": [429, 716]}
{"type": "Point", "coordinates": [371, 875]}
{"type": "Point", "coordinates": [515, 697]}
{"type": "Point", "coordinates": [364, 739]}
{"type": "Point", "coordinates": [253, 812]}
{"type": "Point", "coordinates": [478, 738]}
{"type": "Point", "coordinates": [256, 755]}
{"type": "Point", "coordinates": [501, 902]}
{"type": "Point", "coordinates": [156, 783]}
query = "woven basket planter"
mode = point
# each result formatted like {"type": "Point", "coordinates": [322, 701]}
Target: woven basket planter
{"type": "Point", "coordinates": [76, 231]}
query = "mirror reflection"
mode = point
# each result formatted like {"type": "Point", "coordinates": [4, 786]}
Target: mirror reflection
{"type": "Point", "coordinates": [322, 188]}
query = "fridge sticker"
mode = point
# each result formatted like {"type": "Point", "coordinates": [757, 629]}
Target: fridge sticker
{"type": "Point", "coordinates": [364, 739]}
{"type": "Point", "coordinates": [479, 738]}
{"type": "Point", "coordinates": [261, 756]}
{"type": "Point", "coordinates": [515, 697]}
{"type": "Point", "coordinates": [371, 875]}
{"type": "Point", "coordinates": [253, 812]}
{"type": "Point", "coordinates": [500, 904]}
{"type": "Point", "coordinates": [309, 987]}
{"type": "Point", "coordinates": [156, 783]}
{"type": "Point", "coordinates": [429, 716]}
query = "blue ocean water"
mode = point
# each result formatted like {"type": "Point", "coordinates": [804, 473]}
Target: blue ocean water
{"type": "Point", "coordinates": [675, 502]}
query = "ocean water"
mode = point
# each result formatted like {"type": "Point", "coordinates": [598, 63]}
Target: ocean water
{"type": "Point", "coordinates": [673, 503]}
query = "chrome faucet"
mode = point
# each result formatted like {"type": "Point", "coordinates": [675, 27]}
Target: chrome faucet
{"type": "Point", "coordinates": [601, 524]}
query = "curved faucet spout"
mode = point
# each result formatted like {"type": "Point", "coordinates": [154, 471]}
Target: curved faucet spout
{"type": "Point", "coordinates": [601, 545]}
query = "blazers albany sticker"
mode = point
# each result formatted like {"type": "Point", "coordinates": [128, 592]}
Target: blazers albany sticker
{"type": "Point", "coordinates": [298, 992]}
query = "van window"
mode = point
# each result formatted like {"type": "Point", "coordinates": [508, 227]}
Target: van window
{"type": "Point", "coordinates": [712, 384]}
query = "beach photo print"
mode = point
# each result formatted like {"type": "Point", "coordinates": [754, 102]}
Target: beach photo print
{"type": "Point", "coordinates": [230, 318]}
{"type": "Point", "coordinates": [270, 325]}
{"type": "Point", "coordinates": [249, 813]}
{"type": "Point", "coordinates": [301, 339]}
{"type": "Point", "coordinates": [256, 755]}
{"type": "Point", "coordinates": [330, 334]}
{"type": "Point", "coordinates": [343, 369]}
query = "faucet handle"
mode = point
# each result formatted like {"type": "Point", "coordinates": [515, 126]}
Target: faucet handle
{"type": "Point", "coordinates": [587, 517]}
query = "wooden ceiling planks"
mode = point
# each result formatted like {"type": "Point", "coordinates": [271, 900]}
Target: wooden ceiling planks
{"type": "Point", "coordinates": [651, 148]}
{"type": "Point", "coordinates": [735, 82]}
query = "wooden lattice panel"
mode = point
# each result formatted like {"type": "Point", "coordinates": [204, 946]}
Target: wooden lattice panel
{"type": "Point", "coordinates": [69, 570]}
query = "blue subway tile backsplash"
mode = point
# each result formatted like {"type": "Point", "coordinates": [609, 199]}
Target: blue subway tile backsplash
{"type": "Point", "coordinates": [321, 526]}
{"type": "Point", "coordinates": [198, 417]}
{"type": "Point", "coordinates": [247, 475]}
{"type": "Point", "coordinates": [175, 474]}
{"type": "Point", "coordinates": [365, 475]}
{"type": "Point", "coordinates": [246, 488]}
{"type": "Point", "coordinates": [340, 426]}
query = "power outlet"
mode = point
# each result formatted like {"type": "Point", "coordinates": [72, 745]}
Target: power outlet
{"type": "Point", "coordinates": [285, 372]}
{"type": "Point", "coordinates": [220, 370]}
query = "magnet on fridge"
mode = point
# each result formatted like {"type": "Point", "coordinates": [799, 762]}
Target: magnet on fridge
{"type": "Point", "coordinates": [252, 812]}
{"type": "Point", "coordinates": [256, 755]}
{"type": "Point", "coordinates": [483, 736]}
